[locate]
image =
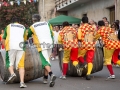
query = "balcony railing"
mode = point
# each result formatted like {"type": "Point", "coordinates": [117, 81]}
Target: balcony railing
{"type": "Point", "coordinates": [63, 3]}
{"type": "Point", "coordinates": [59, 2]}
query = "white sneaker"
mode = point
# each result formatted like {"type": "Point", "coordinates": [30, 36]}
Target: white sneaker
{"type": "Point", "coordinates": [117, 66]}
{"type": "Point", "coordinates": [63, 77]}
{"type": "Point", "coordinates": [22, 85]}
{"type": "Point", "coordinates": [52, 59]}
{"type": "Point", "coordinates": [45, 81]}
{"type": "Point", "coordinates": [111, 77]}
{"type": "Point", "coordinates": [52, 80]}
{"type": "Point", "coordinates": [11, 78]}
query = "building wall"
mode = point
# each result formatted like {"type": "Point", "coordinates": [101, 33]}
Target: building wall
{"type": "Point", "coordinates": [95, 10]}
{"type": "Point", "coordinates": [47, 9]}
{"type": "Point", "coordinates": [118, 9]}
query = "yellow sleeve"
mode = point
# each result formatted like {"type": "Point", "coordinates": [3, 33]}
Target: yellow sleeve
{"type": "Point", "coordinates": [59, 39]}
{"type": "Point", "coordinates": [51, 29]}
{"type": "Point", "coordinates": [79, 34]}
{"type": "Point", "coordinates": [97, 36]}
{"type": "Point", "coordinates": [25, 35]}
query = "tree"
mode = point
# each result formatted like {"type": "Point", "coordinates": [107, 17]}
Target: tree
{"type": "Point", "coordinates": [23, 11]}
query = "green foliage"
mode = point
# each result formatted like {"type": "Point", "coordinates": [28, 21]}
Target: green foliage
{"type": "Point", "coordinates": [23, 11]}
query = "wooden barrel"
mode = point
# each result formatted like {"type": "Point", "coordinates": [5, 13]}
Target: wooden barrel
{"type": "Point", "coordinates": [33, 66]}
{"type": "Point", "coordinates": [97, 62]}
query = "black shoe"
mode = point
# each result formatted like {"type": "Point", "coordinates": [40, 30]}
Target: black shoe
{"type": "Point", "coordinates": [88, 77]}
{"type": "Point", "coordinates": [84, 65]}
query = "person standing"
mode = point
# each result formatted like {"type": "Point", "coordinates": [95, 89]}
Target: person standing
{"type": "Point", "coordinates": [115, 59]}
{"type": "Point", "coordinates": [118, 22]}
{"type": "Point", "coordinates": [110, 45]}
{"type": "Point", "coordinates": [43, 39]}
{"type": "Point", "coordinates": [85, 36]}
{"type": "Point", "coordinates": [68, 38]}
{"type": "Point", "coordinates": [92, 22]}
{"type": "Point", "coordinates": [14, 34]}
{"type": "Point", "coordinates": [55, 48]}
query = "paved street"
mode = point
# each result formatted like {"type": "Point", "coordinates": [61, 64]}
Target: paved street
{"type": "Point", "coordinates": [98, 82]}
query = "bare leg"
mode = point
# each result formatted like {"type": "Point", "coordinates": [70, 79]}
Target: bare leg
{"type": "Point", "coordinates": [46, 72]}
{"type": "Point", "coordinates": [48, 69]}
{"type": "Point", "coordinates": [11, 70]}
{"type": "Point", "coordinates": [21, 73]}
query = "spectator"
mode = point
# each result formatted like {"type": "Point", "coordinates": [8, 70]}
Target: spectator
{"type": "Point", "coordinates": [54, 50]}
{"type": "Point", "coordinates": [104, 19]}
{"type": "Point", "coordinates": [93, 24]}
{"type": "Point", "coordinates": [118, 22]}
{"type": "Point", "coordinates": [107, 24]}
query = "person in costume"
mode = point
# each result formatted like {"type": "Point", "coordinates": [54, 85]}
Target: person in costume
{"type": "Point", "coordinates": [68, 38]}
{"type": "Point", "coordinates": [14, 35]}
{"type": "Point", "coordinates": [111, 43]}
{"type": "Point", "coordinates": [43, 40]}
{"type": "Point", "coordinates": [86, 35]}
{"type": "Point", "coordinates": [116, 53]}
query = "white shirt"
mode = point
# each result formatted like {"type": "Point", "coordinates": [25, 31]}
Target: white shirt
{"type": "Point", "coordinates": [56, 37]}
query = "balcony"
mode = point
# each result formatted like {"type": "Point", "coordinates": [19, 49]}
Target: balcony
{"type": "Point", "coordinates": [65, 5]}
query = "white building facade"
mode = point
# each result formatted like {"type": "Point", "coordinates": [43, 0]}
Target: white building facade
{"type": "Point", "coordinates": [94, 9]}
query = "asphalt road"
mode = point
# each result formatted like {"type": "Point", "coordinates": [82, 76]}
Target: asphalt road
{"type": "Point", "coordinates": [98, 82]}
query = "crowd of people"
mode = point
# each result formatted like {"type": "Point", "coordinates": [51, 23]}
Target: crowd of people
{"type": "Point", "coordinates": [78, 40]}
{"type": "Point", "coordinates": [87, 33]}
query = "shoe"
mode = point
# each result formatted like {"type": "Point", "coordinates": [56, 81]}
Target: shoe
{"type": "Point", "coordinates": [88, 77]}
{"type": "Point", "coordinates": [63, 77]}
{"type": "Point", "coordinates": [22, 85]}
{"type": "Point", "coordinates": [52, 59]}
{"type": "Point", "coordinates": [83, 65]}
{"type": "Point", "coordinates": [45, 81]}
{"type": "Point", "coordinates": [111, 77]}
{"type": "Point", "coordinates": [79, 70]}
{"type": "Point", "coordinates": [11, 78]}
{"type": "Point", "coordinates": [52, 80]}
{"type": "Point", "coordinates": [117, 66]}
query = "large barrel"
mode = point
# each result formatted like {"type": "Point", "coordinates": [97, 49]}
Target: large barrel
{"type": "Point", "coordinates": [97, 62]}
{"type": "Point", "coordinates": [33, 66]}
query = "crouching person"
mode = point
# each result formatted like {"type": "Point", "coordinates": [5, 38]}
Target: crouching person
{"type": "Point", "coordinates": [68, 37]}
{"type": "Point", "coordinates": [14, 34]}
{"type": "Point", "coordinates": [43, 39]}
{"type": "Point", "coordinates": [86, 36]}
